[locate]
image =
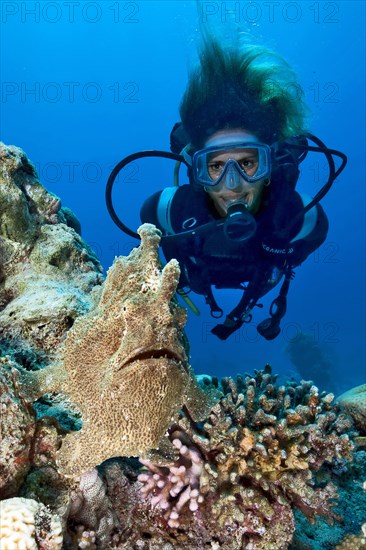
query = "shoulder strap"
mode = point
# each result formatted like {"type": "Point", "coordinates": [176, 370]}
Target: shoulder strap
{"type": "Point", "coordinates": [164, 209]}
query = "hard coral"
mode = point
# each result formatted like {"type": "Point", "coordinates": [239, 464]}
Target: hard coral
{"type": "Point", "coordinates": [47, 271]}
{"type": "Point", "coordinates": [257, 453]}
{"type": "Point", "coordinates": [125, 364]}
{"type": "Point", "coordinates": [174, 487]}
{"type": "Point", "coordinates": [352, 542]}
{"type": "Point", "coordinates": [27, 524]}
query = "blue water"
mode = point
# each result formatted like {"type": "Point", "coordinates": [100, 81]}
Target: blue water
{"type": "Point", "coordinates": [86, 83]}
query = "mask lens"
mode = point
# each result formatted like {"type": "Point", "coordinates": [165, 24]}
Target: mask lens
{"type": "Point", "coordinates": [251, 161]}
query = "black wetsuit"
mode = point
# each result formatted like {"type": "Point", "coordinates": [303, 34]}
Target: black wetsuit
{"type": "Point", "coordinates": [212, 258]}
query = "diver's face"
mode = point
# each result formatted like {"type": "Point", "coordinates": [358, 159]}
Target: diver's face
{"type": "Point", "coordinates": [233, 187]}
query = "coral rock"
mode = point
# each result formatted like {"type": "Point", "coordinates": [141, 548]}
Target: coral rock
{"type": "Point", "coordinates": [47, 271]}
{"type": "Point", "coordinates": [353, 402]}
{"type": "Point", "coordinates": [17, 427]}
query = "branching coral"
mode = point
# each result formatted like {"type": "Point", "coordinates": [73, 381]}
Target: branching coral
{"type": "Point", "coordinates": [172, 488]}
{"type": "Point", "coordinates": [257, 454]}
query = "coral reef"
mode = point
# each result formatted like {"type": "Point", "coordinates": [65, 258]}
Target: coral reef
{"type": "Point", "coordinates": [352, 542]}
{"type": "Point", "coordinates": [225, 465]}
{"type": "Point", "coordinates": [91, 511]}
{"type": "Point", "coordinates": [27, 524]}
{"type": "Point", "coordinates": [260, 448]}
{"type": "Point", "coordinates": [353, 402]}
{"type": "Point", "coordinates": [125, 365]}
{"type": "Point", "coordinates": [172, 488]}
{"type": "Point", "coordinates": [263, 451]}
{"type": "Point", "coordinates": [350, 506]}
{"type": "Point", "coordinates": [47, 271]}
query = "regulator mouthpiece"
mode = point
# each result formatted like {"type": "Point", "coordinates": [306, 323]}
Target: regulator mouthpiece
{"type": "Point", "coordinates": [239, 223]}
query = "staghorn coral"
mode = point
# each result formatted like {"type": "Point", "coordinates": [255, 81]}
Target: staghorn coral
{"type": "Point", "coordinates": [124, 365]}
{"type": "Point", "coordinates": [27, 524]}
{"type": "Point", "coordinates": [47, 271]}
{"type": "Point", "coordinates": [261, 448]}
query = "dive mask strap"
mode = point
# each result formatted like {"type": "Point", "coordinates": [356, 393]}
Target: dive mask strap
{"type": "Point", "coordinates": [186, 155]}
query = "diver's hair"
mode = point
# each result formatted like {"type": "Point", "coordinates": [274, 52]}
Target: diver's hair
{"type": "Point", "coordinates": [242, 86]}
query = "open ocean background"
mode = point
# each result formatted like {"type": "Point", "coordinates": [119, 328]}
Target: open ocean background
{"type": "Point", "coordinates": [86, 83]}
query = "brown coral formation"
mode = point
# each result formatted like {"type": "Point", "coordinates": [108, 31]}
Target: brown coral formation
{"type": "Point", "coordinates": [47, 271]}
{"type": "Point", "coordinates": [124, 364]}
{"type": "Point", "coordinates": [261, 447]}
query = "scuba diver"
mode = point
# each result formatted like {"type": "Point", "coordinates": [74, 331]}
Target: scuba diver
{"type": "Point", "coordinates": [239, 223]}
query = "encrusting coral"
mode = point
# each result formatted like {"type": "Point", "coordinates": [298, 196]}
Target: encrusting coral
{"type": "Point", "coordinates": [91, 511]}
{"type": "Point", "coordinates": [125, 364]}
{"type": "Point", "coordinates": [353, 542]}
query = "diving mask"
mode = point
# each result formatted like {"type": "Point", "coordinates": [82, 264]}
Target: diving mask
{"type": "Point", "coordinates": [231, 163]}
